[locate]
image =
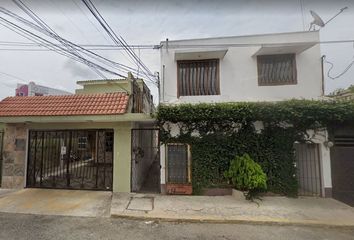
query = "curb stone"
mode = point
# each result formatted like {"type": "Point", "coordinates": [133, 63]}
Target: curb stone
{"type": "Point", "coordinates": [236, 221]}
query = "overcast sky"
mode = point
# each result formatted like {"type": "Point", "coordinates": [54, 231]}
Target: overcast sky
{"type": "Point", "coordinates": [149, 22]}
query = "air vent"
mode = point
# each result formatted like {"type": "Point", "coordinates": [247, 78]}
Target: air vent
{"type": "Point", "coordinates": [344, 141]}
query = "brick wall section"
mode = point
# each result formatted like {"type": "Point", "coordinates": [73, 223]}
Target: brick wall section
{"type": "Point", "coordinates": [14, 156]}
{"type": "Point", "coordinates": [179, 189]}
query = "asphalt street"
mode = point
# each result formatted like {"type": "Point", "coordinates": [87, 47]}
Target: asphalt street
{"type": "Point", "coordinates": [37, 227]}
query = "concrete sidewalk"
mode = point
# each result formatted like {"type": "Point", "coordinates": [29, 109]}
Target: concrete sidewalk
{"type": "Point", "coordinates": [56, 202]}
{"type": "Point", "coordinates": [227, 209]}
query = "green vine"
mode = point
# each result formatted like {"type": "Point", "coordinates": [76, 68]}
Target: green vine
{"type": "Point", "coordinates": [219, 132]}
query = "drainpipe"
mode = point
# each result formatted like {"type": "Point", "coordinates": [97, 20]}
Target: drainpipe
{"type": "Point", "coordinates": [323, 84]}
{"type": "Point", "coordinates": [158, 87]}
{"type": "Point", "coordinates": [163, 83]}
{"type": "Point", "coordinates": [166, 44]}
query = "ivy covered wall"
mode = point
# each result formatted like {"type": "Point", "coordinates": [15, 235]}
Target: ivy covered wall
{"type": "Point", "coordinates": [218, 132]}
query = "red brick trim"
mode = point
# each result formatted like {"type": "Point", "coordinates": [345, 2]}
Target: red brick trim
{"type": "Point", "coordinates": [179, 189]}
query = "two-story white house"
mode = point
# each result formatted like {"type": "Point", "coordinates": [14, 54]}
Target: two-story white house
{"type": "Point", "coordinates": [267, 67]}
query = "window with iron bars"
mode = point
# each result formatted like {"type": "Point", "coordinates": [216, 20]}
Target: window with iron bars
{"type": "Point", "coordinates": [198, 77]}
{"type": "Point", "coordinates": [277, 69]}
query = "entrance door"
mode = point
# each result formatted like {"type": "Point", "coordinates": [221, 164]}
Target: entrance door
{"type": "Point", "coordinates": [70, 159]}
{"type": "Point", "coordinates": [308, 169]}
{"type": "Point", "coordinates": [145, 166]}
{"type": "Point", "coordinates": [342, 165]}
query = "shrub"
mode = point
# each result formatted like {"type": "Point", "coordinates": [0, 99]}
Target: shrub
{"type": "Point", "coordinates": [246, 175]}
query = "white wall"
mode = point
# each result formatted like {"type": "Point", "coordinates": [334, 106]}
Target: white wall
{"type": "Point", "coordinates": [39, 89]}
{"type": "Point", "coordinates": [238, 70]}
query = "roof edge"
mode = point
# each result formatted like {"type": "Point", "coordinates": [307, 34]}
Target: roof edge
{"type": "Point", "coordinates": [126, 117]}
{"type": "Point", "coordinates": [97, 81]}
{"type": "Point", "coordinates": [240, 36]}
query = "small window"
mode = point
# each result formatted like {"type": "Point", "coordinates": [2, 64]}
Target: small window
{"type": "Point", "coordinates": [109, 141]}
{"type": "Point", "coordinates": [276, 69]}
{"type": "Point", "coordinates": [178, 163]}
{"type": "Point", "coordinates": [82, 143]}
{"type": "Point", "coordinates": [200, 77]}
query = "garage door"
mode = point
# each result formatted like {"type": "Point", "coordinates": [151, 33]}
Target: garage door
{"type": "Point", "coordinates": [70, 159]}
{"type": "Point", "coordinates": [342, 165]}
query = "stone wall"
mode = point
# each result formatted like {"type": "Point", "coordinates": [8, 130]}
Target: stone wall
{"type": "Point", "coordinates": [14, 156]}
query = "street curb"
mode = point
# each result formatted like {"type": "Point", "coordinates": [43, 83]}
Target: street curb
{"type": "Point", "coordinates": [274, 222]}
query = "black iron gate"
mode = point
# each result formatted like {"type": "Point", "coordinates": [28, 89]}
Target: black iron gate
{"type": "Point", "coordinates": [145, 166]}
{"type": "Point", "coordinates": [70, 159]}
{"type": "Point", "coordinates": [342, 163]}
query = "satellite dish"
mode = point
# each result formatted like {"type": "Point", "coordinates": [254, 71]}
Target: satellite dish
{"type": "Point", "coordinates": [316, 20]}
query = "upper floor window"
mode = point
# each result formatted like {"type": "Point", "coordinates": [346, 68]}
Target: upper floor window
{"type": "Point", "coordinates": [198, 77]}
{"type": "Point", "coordinates": [276, 69]}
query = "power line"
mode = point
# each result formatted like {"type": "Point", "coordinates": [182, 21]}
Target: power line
{"type": "Point", "coordinates": [33, 37]}
{"type": "Point", "coordinates": [13, 76]}
{"type": "Point", "coordinates": [53, 34]}
{"type": "Point", "coordinates": [97, 29]}
{"type": "Point", "coordinates": [10, 46]}
{"type": "Point", "coordinates": [47, 50]}
{"type": "Point", "coordinates": [45, 27]}
{"type": "Point", "coordinates": [54, 3]}
{"type": "Point", "coordinates": [332, 66]}
{"type": "Point", "coordinates": [118, 40]}
{"type": "Point", "coordinates": [104, 35]}
{"type": "Point", "coordinates": [70, 52]}
{"type": "Point", "coordinates": [302, 14]}
{"type": "Point", "coordinates": [72, 45]}
{"type": "Point", "coordinates": [338, 75]}
{"type": "Point", "coordinates": [99, 18]}
{"type": "Point", "coordinates": [44, 44]}
{"type": "Point", "coordinates": [152, 46]}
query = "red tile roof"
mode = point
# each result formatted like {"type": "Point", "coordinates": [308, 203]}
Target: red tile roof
{"type": "Point", "coordinates": [68, 105]}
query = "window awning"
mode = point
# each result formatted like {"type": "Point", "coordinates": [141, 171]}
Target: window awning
{"type": "Point", "coordinates": [200, 54]}
{"type": "Point", "coordinates": [295, 48]}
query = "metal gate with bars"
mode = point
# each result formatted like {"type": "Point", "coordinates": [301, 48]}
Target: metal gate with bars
{"type": "Point", "coordinates": [308, 169]}
{"type": "Point", "coordinates": [342, 164]}
{"type": "Point", "coordinates": [145, 166]}
{"type": "Point", "coordinates": [70, 159]}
